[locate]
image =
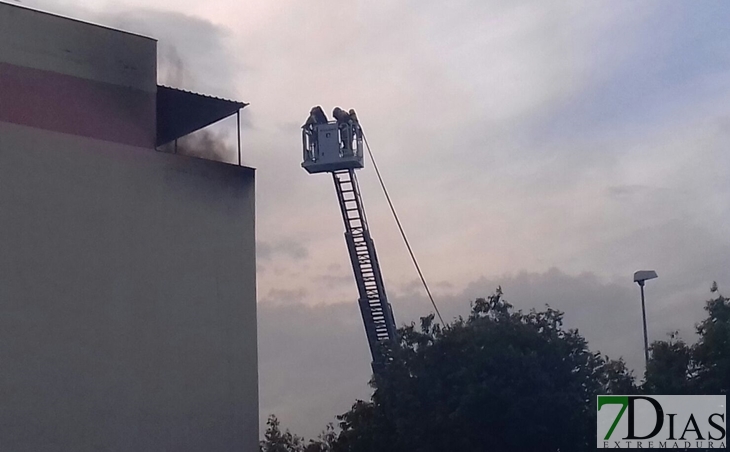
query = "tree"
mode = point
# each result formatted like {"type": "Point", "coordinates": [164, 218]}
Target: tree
{"type": "Point", "coordinates": [670, 368]}
{"type": "Point", "coordinates": [500, 380]}
{"type": "Point", "coordinates": [277, 441]}
{"type": "Point", "coordinates": [615, 378]}
{"type": "Point", "coordinates": [712, 352]}
{"type": "Point", "coordinates": [703, 368]}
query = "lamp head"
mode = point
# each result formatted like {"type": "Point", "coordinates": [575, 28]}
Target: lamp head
{"type": "Point", "coordinates": [642, 275]}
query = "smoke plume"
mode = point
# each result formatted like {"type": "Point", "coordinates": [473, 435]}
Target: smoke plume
{"type": "Point", "coordinates": [204, 144]}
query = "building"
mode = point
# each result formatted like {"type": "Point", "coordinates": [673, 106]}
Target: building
{"type": "Point", "coordinates": [127, 275]}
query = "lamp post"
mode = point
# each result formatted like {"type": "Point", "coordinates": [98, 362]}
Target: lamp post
{"type": "Point", "coordinates": [640, 277]}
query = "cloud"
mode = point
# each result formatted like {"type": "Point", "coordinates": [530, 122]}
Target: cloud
{"type": "Point", "coordinates": [333, 281]}
{"type": "Point", "coordinates": [289, 248]}
{"type": "Point", "coordinates": [283, 296]}
{"type": "Point", "coordinates": [481, 125]}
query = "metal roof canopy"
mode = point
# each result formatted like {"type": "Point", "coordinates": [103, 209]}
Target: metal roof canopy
{"type": "Point", "coordinates": [182, 112]}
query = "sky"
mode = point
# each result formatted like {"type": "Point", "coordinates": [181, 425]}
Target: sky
{"type": "Point", "coordinates": [550, 148]}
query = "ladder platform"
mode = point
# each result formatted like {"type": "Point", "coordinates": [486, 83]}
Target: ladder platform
{"type": "Point", "coordinates": [332, 147]}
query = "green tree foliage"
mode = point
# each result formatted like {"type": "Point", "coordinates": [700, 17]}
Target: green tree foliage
{"type": "Point", "coordinates": [499, 380]}
{"type": "Point", "coordinates": [712, 352]}
{"type": "Point", "coordinates": [277, 441]}
{"type": "Point", "coordinates": [669, 370]}
{"type": "Point", "coordinates": [702, 368]}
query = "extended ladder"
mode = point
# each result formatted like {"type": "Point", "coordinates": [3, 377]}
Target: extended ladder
{"type": "Point", "coordinates": [376, 311]}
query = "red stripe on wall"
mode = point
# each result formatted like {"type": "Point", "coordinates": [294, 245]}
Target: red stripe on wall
{"type": "Point", "coordinates": [63, 103]}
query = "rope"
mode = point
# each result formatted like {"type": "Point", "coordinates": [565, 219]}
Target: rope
{"type": "Point", "coordinates": [400, 228]}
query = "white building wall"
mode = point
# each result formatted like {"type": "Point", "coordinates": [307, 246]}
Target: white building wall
{"type": "Point", "coordinates": [73, 77]}
{"type": "Point", "coordinates": [48, 42]}
{"type": "Point", "coordinates": [127, 298]}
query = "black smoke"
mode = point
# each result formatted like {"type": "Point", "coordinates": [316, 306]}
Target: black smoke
{"type": "Point", "coordinates": [204, 144]}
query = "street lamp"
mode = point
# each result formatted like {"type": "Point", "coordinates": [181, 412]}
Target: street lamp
{"type": "Point", "coordinates": [639, 278]}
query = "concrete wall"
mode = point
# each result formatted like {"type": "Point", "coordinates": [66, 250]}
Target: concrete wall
{"type": "Point", "coordinates": [127, 298]}
{"type": "Point", "coordinates": [68, 76]}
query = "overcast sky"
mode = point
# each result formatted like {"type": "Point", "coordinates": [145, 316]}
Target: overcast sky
{"type": "Point", "coordinates": [552, 148]}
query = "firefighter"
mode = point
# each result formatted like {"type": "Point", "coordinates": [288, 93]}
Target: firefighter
{"type": "Point", "coordinates": [316, 117]}
{"type": "Point", "coordinates": [344, 124]}
{"type": "Point", "coordinates": [353, 116]}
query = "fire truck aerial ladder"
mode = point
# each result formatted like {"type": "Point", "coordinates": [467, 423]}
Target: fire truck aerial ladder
{"type": "Point", "coordinates": [336, 147]}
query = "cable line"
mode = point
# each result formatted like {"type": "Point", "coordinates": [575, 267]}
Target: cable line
{"type": "Point", "coordinates": [400, 228]}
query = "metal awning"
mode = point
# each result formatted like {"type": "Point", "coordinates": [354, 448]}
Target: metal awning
{"type": "Point", "coordinates": [182, 112]}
